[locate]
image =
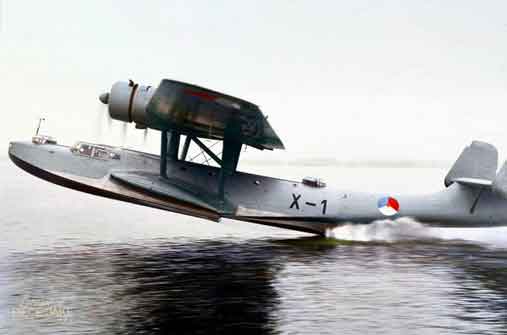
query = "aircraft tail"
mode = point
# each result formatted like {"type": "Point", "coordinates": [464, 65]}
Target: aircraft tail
{"type": "Point", "coordinates": [476, 167]}
{"type": "Point", "coordinates": [500, 183]}
{"type": "Point", "coordinates": [477, 164]}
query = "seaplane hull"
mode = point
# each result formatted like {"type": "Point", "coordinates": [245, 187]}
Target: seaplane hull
{"type": "Point", "coordinates": [192, 189]}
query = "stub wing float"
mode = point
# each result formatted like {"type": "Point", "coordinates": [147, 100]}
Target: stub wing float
{"type": "Point", "coordinates": [475, 193]}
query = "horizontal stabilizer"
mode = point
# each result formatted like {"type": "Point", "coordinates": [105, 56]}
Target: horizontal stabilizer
{"type": "Point", "coordinates": [473, 182]}
{"type": "Point", "coordinates": [500, 182]}
{"type": "Point", "coordinates": [475, 167]}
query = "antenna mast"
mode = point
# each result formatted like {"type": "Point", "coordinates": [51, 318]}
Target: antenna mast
{"type": "Point", "coordinates": [38, 127]}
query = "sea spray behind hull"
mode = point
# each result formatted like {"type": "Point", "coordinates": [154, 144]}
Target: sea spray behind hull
{"type": "Point", "coordinates": [401, 229]}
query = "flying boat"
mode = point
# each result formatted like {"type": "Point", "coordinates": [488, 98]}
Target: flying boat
{"type": "Point", "coordinates": [475, 193]}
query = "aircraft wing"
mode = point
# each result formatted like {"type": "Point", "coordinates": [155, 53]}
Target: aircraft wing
{"type": "Point", "coordinates": [200, 112]}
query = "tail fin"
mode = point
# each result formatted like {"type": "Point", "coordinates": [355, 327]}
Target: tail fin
{"type": "Point", "coordinates": [476, 166]}
{"type": "Point", "coordinates": [500, 182]}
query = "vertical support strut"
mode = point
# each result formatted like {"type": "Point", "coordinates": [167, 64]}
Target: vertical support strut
{"type": "Point", "coordinates": [163, 154]}
{"type": "Point", "coordinates": [476, 200]}
{"type": "Point", "coordinates": [186, 145]}
{"type": "Point", "coordinates": [230, 157]}
{"type": "Point", "coordinates": [174, 145]}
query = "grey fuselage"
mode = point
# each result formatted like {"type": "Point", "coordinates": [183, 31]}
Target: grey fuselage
{"type": "Point", "coordinates": [191, 189]}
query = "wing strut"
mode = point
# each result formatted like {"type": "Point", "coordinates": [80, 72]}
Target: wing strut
{"type": "Point", "coordinates": [174, 145]}
{"type": "Point", "coordinates": [163, 154]}
{"type": "Point", "coordinates": [230, 155]}
{"type": "Point", "coordinates": [230, 158]}
{"type": "Point", "coordinates": [207, 150]}
{"type": "Point", "coordinates": [169, 147]}
{"type": "Point", "coordinates": [186, 146]}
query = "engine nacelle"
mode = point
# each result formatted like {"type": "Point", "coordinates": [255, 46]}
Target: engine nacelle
{"type": "Point", "coordinates": [128, 101]}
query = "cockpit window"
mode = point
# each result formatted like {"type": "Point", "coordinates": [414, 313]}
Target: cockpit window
{"type": "Point", "coordinates": [85, 149]}
{"type": "Point", "coordinates": [94, 151]}
{"type": "Point", "coordinates": [100, 153]}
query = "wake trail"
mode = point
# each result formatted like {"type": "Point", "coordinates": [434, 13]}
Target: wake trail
{"type": "Point", "coordinates": [402, 229]}
{"type": "Point", "coordinates": [408, 229]}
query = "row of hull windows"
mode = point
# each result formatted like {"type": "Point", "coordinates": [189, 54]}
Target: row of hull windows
{"type": "Point", "coordinates": [94, 151]}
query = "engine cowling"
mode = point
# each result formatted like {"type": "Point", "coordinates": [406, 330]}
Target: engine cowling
{"type": "Point", "coordinates": [127, 102]}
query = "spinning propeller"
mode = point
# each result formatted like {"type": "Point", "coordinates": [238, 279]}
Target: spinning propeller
{"type": "Point", "coordinates": [127, 102]}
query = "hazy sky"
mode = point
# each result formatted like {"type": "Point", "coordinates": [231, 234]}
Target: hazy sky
{"type": "Point", "coordinates": [345, 79]}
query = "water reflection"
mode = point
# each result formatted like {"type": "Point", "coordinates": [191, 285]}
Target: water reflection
{"type": "Point", "coordinates": [196, 288]}
{"type": "Point", "coordinates": [482, 293]}
{"type": "Point", "coordinates": [303, 285]}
